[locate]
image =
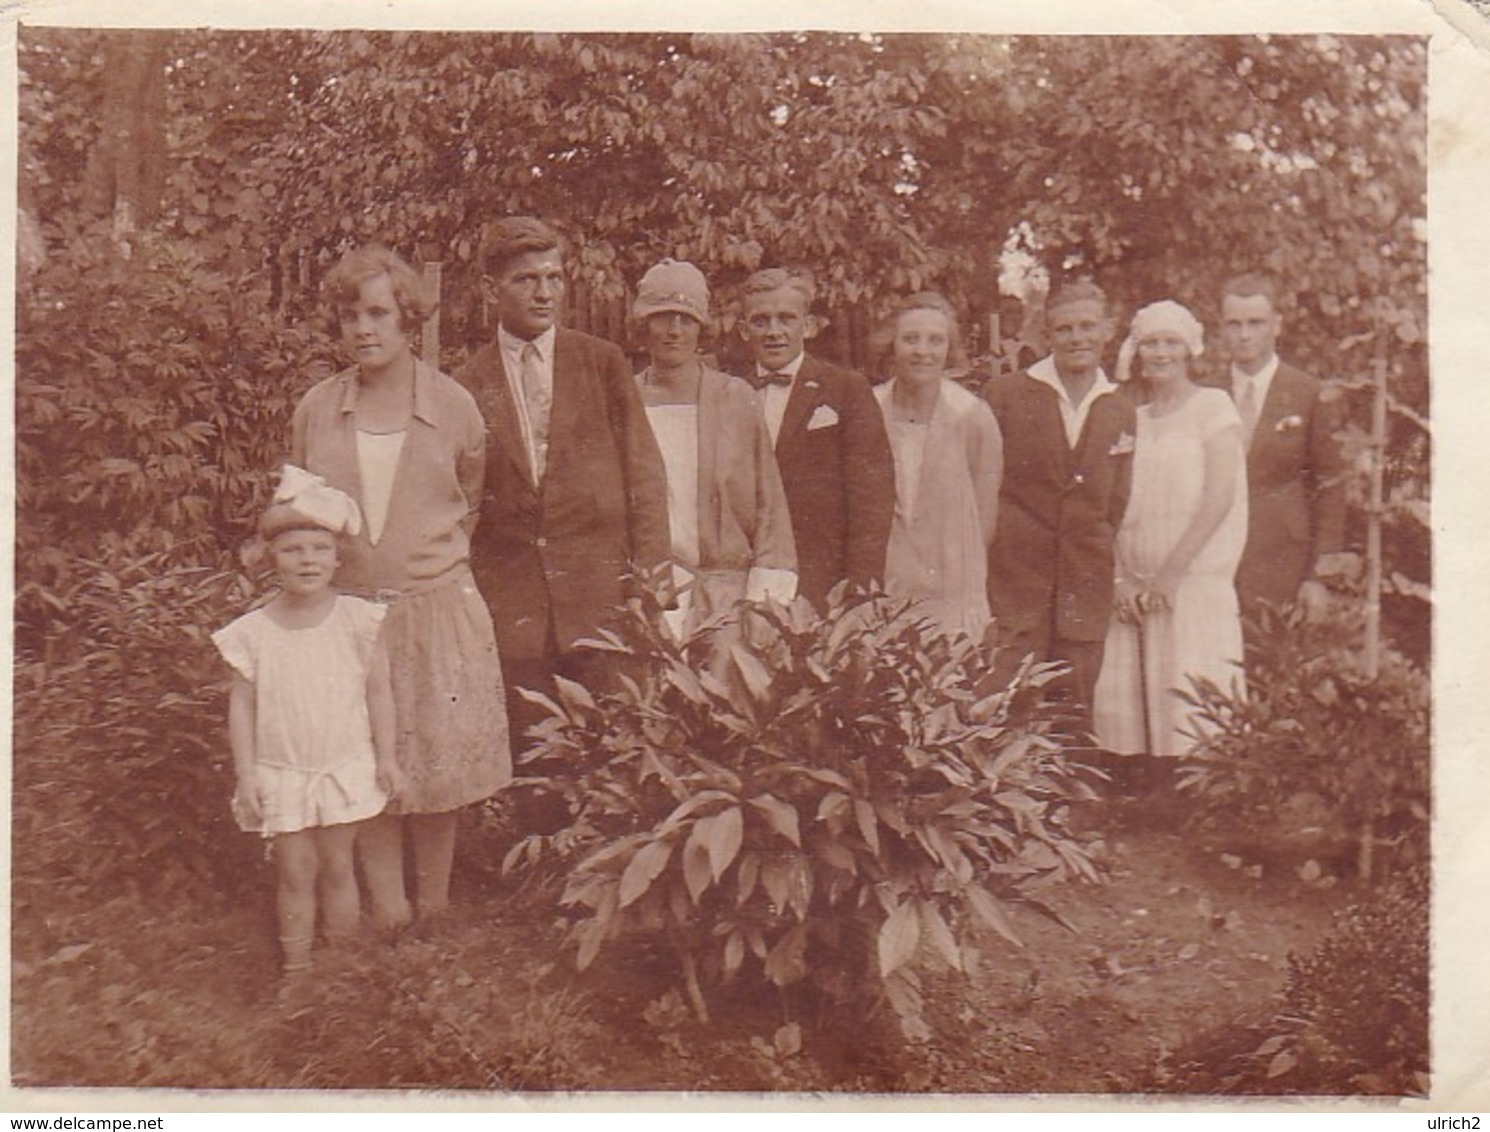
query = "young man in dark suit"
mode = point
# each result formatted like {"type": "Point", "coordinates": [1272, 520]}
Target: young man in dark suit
{"type": "Point", "coordinates": [1295, 487]}
{"type": "Point", "coordinates": [1068, 467]}
{"type": "Point", "coordinates": [575, 502]}
{"type": "Point", "coordinates": [829, 434]}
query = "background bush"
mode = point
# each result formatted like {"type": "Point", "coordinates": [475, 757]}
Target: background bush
{"type": "Point", "coordinates": [153, 401]}
{"type": "Point", "coordinates": [1315, 725]}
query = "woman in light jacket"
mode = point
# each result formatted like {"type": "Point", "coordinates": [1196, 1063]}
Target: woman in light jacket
{"type": "Point", "coordinates": [731, 533]}
{"type": "Point", "coordinates": [949, 466]}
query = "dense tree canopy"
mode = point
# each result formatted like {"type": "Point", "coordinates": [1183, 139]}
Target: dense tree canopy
{"type": "Point", "coordinates": [882, 161]}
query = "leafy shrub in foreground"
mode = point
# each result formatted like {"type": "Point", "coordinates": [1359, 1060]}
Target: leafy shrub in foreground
{"type": "Point", "coordinates": [1313, 723]}
{"type": "Point", "coordinates": [833, 802]}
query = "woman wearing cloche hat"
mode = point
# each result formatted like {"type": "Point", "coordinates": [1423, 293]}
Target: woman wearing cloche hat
{"type": "Point", "coordinates": [732, 536]}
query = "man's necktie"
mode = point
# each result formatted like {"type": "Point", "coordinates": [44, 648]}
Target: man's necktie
{"type": "Point", "coordinates": [772, 377]}
{"type": "Point", "coordinates": [1248, 406]}
{"type": "Point", "coordinates": [539, 400]}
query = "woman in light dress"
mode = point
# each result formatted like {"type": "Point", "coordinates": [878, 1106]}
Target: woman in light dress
{"type": "Point", "coordinates": [731, 532]}
{"type": "Point", "coordinates": [408, 444]}
{"type": "Point", "coordinates": [1178, 546]}
{"type": "Point", "coordinates": [949, 465]}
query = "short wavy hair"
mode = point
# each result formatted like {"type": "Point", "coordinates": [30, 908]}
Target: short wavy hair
{"type": "Point", "coordinates": [1250, 283]}
{"type": "Point", "coordinates": [343, 285]}
{"type": "Point", "coordinates": [882, 342]}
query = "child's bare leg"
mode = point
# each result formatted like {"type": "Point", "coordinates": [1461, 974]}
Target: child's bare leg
{"type": "Point", "coordinates": [380, 847]}
{"type": "Point", "coordinates": [434, 850]}
{"type": "Point", "coordinates": [295, 854]}
{"type": "Point", "coordinates": [340, 910]}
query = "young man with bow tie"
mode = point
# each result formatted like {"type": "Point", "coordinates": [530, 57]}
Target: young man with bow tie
{"type": "Point", "coordinates": [829, 434]}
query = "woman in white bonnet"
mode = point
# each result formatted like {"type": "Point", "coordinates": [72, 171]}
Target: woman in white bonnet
{"type": "Point", "coordinates": [1178, 546]}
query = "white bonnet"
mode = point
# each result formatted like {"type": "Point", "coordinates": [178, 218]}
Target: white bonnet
{"type": "Point", "coordinates": [1163, 317]}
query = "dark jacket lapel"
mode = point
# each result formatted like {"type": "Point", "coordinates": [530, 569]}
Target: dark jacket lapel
{"type": "Point", "coordinates": [565, 419]}
{"type": "Point", "coordinates": [805, 396]}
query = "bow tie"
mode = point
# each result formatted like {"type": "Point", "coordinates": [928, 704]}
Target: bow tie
{"type": "Point", "coordinates": [772, 377]}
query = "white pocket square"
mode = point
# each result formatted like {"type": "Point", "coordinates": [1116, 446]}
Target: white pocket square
{"type": "Point", "coordinates": [824, 416]}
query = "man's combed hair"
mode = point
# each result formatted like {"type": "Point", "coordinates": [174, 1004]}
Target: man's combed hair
{"type": "Point", "coordinates": [1250, 283]}
{"type": "Point", "coordinates": [775, 278]}
{"type": "Point", "coordinates": [506, 239]}
{"type": "Point", "coordinates": [1082, 290]}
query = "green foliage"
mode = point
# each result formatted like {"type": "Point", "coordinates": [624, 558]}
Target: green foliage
{"type": "Point", "coordinates": [122, 768]}
{"type": "Point", "coordinates": [833, 801]}
{"type": "Point", "coordinates": [153, 397]}
{"type": "Point", "coordinates": [1314, 723]}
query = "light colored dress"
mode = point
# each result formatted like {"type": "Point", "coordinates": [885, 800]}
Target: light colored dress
{"type": "Point", "coordinates": [312, 734]}
{"type": "Point", "coordinates": [948, 472]}
{"type": "Point", "coordinates": [1201, 635]}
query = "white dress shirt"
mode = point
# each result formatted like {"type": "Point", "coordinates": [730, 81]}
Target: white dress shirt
{"type": "Point", "coordinates": [512, 361]}
{"type": "Point", "coordinates": [1073, 415]}
{"type": "Point", "coordinates": [774, 397]}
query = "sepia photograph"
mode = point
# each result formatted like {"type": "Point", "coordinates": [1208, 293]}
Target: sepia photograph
{"type": "Point", "coordinates": [761, 561]}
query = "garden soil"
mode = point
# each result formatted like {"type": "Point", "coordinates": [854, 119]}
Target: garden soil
{"type": "Point", "coordinates": [1184, 949]}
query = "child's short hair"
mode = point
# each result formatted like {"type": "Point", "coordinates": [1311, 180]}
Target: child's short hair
{"type": "Point", "coordinates": [344, 283]}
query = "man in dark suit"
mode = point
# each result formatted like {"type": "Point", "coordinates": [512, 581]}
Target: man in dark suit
{"type": "Point", "coordinates": [575, 502]}
{"type": "Point", "coordinates": [1068, 467]}
{"type": "Point", "coordinates": [1295, 487]}
{"type": "Point", "coordinates": [829, 433]}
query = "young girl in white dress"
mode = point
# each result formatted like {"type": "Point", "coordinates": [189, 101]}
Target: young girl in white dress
{"type": "Point", "coordinates": [310, 714]}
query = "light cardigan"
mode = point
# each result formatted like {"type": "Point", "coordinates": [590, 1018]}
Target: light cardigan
{"type": "Point", "coordinates": [436, 487]}
{"type": "Point", "coordinates": [938, 553]}
{"type": "Point", "coordinates": [745, 543]}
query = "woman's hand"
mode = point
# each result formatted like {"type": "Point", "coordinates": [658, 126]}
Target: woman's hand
{"type": "Point", "coordinates": [1127, 600]}
{"type": "Point", "coordinates": [1159, 593]}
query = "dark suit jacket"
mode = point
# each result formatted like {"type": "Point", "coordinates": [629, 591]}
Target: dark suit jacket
{"type": "Point", "coordinates": [1051, 564]}
{"type": "Point", "coordinates": [555, 556]}
{"type": "Point", "coordinates": [839, 478]}
{"type": "Point", "coordinates": [1295, 487]}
